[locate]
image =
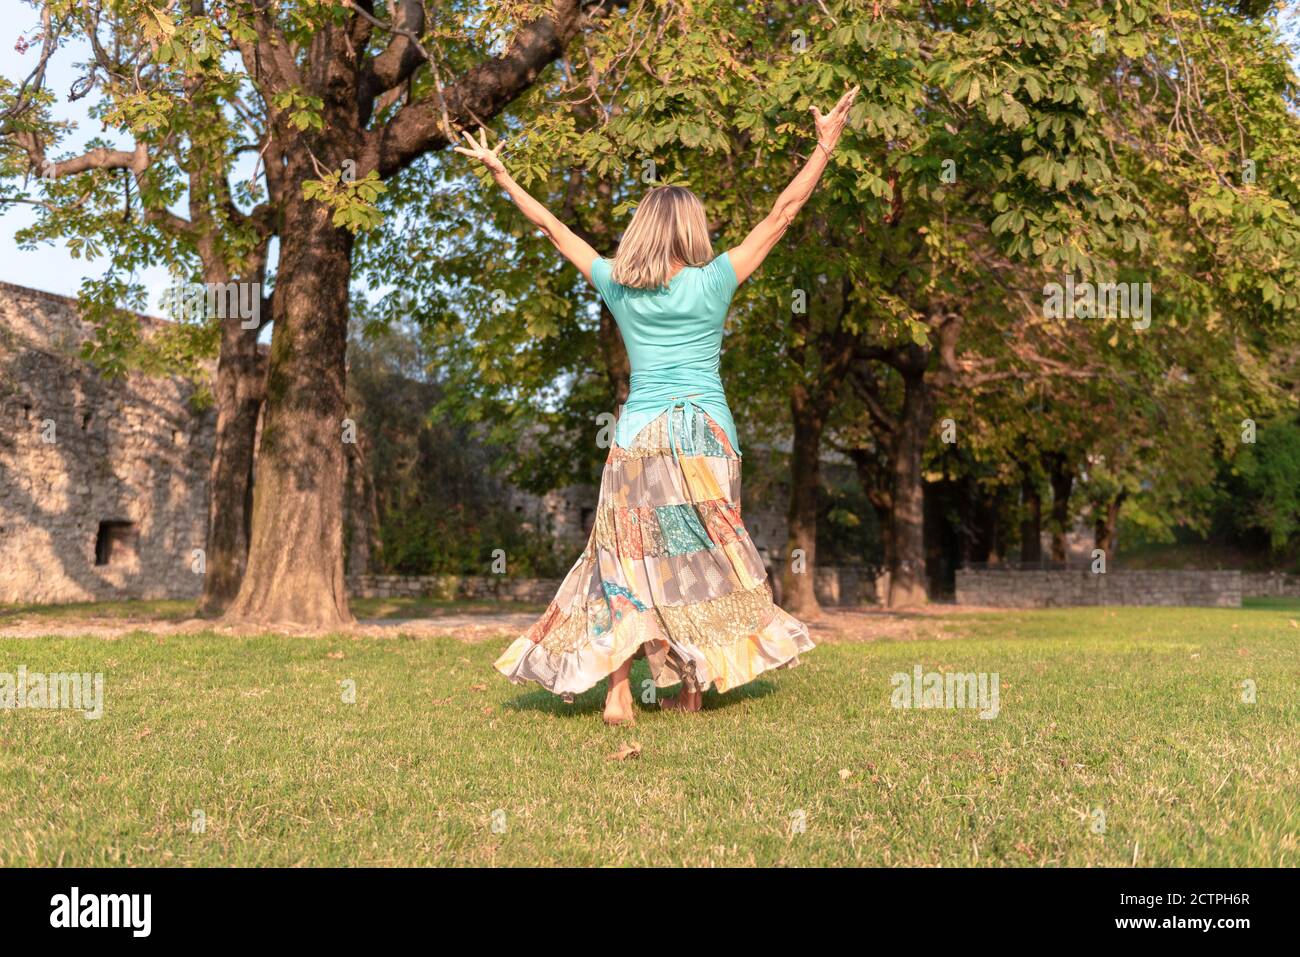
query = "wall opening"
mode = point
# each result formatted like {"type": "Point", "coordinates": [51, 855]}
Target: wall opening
{"type": "Point", "coordinates": [116, 543]}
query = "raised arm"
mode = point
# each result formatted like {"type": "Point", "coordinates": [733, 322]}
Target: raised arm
{"type": "Point", "coordinates": [749, 255]}
{"type": "Point", "coordinates": [574, 249]}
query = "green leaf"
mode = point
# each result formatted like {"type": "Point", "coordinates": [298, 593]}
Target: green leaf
{"type": "Point", "coordinates": [164, 21]}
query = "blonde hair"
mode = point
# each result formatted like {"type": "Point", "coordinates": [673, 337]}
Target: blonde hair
{"type": "Point", "coordinates": [668, 227]}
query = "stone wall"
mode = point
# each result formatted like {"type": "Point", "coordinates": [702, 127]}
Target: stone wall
{"type": "Point", "coordinates": [846, 586]}
{"type": "Point", "coordinates": [1038, 589]}
{"type": "Point", "coordinates": [454, 587]}
{"type": "Point", "coordinates": [835, 586]}
{"type": "Point", "coordinates": [103, 484]}
{"type": "Point", "coordinates": [1270, 585]}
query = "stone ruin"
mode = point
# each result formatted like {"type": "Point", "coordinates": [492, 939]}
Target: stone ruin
{"type": "Point", "coordinates": [103, 483]}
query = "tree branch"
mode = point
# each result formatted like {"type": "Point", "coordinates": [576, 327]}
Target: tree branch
{"type": "Point", "coordinates": [479, 94]}
{"type": "Point", "coordinates": [399, 60]}
{"type": "Point", "coordinates": [137, 160]}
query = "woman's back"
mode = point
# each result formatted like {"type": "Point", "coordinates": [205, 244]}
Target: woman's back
{"type": "Point", "coordinates": [673, 338]}
{"type": "Point", "coordinates": [680, 325]}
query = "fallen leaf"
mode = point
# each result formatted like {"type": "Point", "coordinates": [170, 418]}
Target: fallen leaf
{"type": "Point", "coordinates": [488, 709]}
{"type": "Point", "coordinates": [478, 687]}
{"type": "Point", "coordinates": [335, 655]}
{"type": "Point", "coordinates": [630, 750]}
{"type": "Point", "coordinates": [1293, 623]}
{"type": "Point", "coordinates": [144, 733]}
{"type": "Point", "coordinates": [845, 774]}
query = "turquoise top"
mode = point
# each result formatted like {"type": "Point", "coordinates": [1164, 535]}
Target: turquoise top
{"type": "Point", "coordinates": [673, 337]}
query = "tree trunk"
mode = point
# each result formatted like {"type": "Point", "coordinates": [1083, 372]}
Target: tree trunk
{"type": "Point", "coordinates": [876, 486]}
{"type": "Point", "coordinates": [361, 505]}
{"type": "Point", "coordinates": [240, 389]}
{"type": "Point", "coordinates": [295, 560]}
{"type": "Point", "coordinates": [1031, 522]}
{"type": "Point", "coordinates": [985, 508]}
{"type": "Point", "coordinates": [907, 579]}
{"type": "Point", "coordinates": [888, 551]}
{"type": "Point", "coordinates": [797, 578]}
{"type": "Point", "coordinates": [882, 503]}
{"type": "Point", "coordinates": [998, 532]}
{"type": "Point", "coordinates": [1062, 479]}
{"type": "Point", "coordinates": [618, 370]}
{"type": "Point", "coordinates": [1106, 525]}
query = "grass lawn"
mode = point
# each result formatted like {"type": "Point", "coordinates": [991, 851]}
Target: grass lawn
{"type": "Point", "coordinates": [178, 610]}
{"type": "Point", "coordinates": [1131, 713]}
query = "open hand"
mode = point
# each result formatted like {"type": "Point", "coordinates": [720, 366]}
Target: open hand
{"type": "Point", "coordinates": [479, 151]}
{"type": "Point", "coordinates": [831, 125]}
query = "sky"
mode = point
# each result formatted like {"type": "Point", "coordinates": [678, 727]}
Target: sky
{"type": "Point", "coordinates": [51, 267]}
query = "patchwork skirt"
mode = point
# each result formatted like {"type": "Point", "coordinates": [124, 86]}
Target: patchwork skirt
{"type": "Point", "coordinates": [669, 572]}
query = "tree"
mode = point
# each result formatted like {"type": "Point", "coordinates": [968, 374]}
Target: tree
{"type": "Point", "coordinates": [117, 204]}
{"type": "Point", "coordinates": [1065, 130]}
{"type": "Point", "coordinates": [995, 147]}
{"type": "Point", "coordinates": [336, 101]}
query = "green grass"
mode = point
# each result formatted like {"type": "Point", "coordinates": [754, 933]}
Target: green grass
{"type": "Point", "coordinates": [1279, 604]}
{"type": "Point", "coordinates": [1203, 555]}
{"type": "Point", "coordinates": [177, 610]}
{"type": "Point", "coordinates": [165, 609]}
{"type": "Point", "coordinates": [430, 607]}
{"type": "Point", "coordinates": [1136, 712]}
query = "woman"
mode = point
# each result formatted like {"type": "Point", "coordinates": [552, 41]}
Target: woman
{"type": "Point", "coordinates": [669, 571]}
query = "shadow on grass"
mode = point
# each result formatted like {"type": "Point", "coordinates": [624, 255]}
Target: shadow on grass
{"type": "Point", "coordinates": [380, 609]}
{"type": "Point", "coordinates": [161, 609]}
{"type": "Point", "coordinates": [593, 700]}
{"type": "Point", "coordinates": [828, 615]}
{"type": "Point", "coordinates": [1269, 604]}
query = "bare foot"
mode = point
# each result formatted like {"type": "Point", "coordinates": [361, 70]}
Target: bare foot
{"type": "Point", "coordinates": [689, 701]}
{"type": "Point", "coordinates": [618, 705]}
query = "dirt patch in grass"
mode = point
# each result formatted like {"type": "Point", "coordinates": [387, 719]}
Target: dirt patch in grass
{"type": "Point", "coordinates": [930, 623]}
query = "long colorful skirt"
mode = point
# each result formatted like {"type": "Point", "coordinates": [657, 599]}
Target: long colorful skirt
{"type": "Point", "coordinates": [669, 572]}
